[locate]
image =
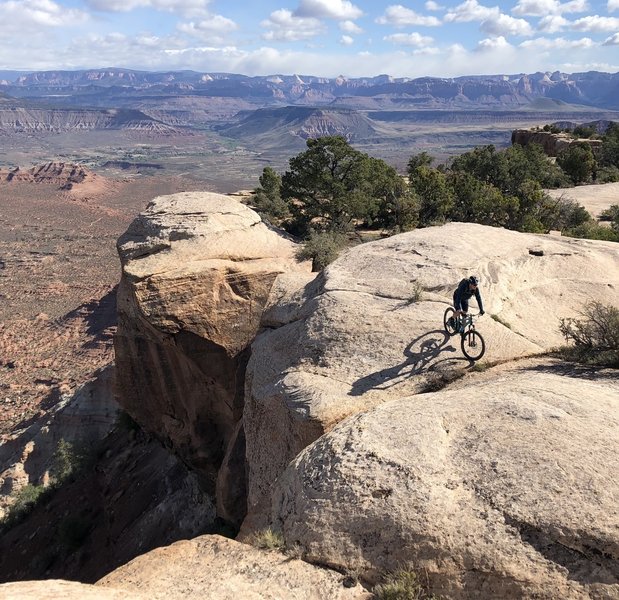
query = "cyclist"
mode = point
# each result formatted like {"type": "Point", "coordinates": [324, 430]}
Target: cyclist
{"type": "Point", "coordinates": [467, 288]}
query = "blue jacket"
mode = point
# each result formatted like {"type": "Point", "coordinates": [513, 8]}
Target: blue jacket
{"type": "Point", "coordinates": [463, 293]}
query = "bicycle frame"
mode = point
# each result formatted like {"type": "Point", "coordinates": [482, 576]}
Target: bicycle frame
{"type": "Point", "coordinates": [465, 323]}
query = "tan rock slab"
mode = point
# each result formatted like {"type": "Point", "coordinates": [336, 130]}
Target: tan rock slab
{"type": "Point", "coordinates": [221, 569]}
{"type": "Point", "coordinates": [503, 486]}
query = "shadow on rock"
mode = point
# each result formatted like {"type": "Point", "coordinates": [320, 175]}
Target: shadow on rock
{"type": "Point", "coordinates": [576, 370]}
{"type": "Point", "coordinates": [423, 354]}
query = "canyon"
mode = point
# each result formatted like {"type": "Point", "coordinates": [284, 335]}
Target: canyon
{"type": "Point", "coordinates": [213, 391]}
{"type": "Point", "coordinates": [334, 409]}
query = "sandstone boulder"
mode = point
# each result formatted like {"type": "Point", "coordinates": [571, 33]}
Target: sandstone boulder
{"type": "Point", "coordinates": [358, 335]}
{"type": "Point", "coordinates": [197, 272]}
{"type": "Point", "coordinates": [221, 569]}
{"type": "Point", "coordinates": [501, 486]}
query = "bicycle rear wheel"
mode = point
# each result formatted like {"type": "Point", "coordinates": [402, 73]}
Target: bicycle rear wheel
{"type": "Point", "coordinates": [449, 321]}
{"type": "Point", "coordinates": [473, 345]}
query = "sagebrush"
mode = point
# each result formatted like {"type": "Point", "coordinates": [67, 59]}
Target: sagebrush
{"type": "Point", "coordinates": [594, 335]}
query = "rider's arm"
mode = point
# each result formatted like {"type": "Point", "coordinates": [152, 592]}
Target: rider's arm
{"type": "Point", "coordinates": [479, 302]}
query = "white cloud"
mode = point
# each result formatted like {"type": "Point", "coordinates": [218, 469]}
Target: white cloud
{"type": "Point", "coordinates": [494, 43]}
{"type": "Point", "coordinates": [557, 43]}
{"type": "Point", "coordinates": [350, 27]}
{"type": "Point", "coordinates": [506, 25]}
{"type": "Point", "coordinates": [400, 16]}
{"type": "Point", "coordinates": [613, 5]}
{"type": "Point", "coordinates": [552, 24]}
{"type": "Point", "coordinates": [346, 40]}
{"type": "Point", "coordinates": [208, 29]}
{"type": "Point", "coordinates": [431, 5]}
{"type": "Point", "coordinates": [471, 10]}
{"type": "Point", "coordinates": [541, 8]}
{"type": "Point", "coordinates": [332, 9]}
{"type": "Point", "coordinates": [409, 39]}
{"type": "Point", "coordinates": [187, 8]}
{"type": "Point", "coordinates": [596, 23]}
{"type": "Point", "coordinates": [429, 51]}
{"type": "Point", "coordinates": [285, 27]}
{"type": "Point", "coordinates": [28, 15]}
{"type": "Point", "coordinates": [613, 40]}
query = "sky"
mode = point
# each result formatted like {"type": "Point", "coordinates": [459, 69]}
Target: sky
{"type": "Point", "coordinates": [329, 38]}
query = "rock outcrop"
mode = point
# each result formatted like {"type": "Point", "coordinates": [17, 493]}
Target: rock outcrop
{"type": "Point", "coordinates": [197, 272]}
{"type": "Point", "coordinates": [503, 487]}
{"type": "Point", "coordinates": [358, 336]}
{"type": "Point", "coordinates": [552, 143]}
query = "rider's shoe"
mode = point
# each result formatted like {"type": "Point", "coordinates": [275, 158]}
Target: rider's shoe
{"type": "Point", "coordinates": [451, 323]}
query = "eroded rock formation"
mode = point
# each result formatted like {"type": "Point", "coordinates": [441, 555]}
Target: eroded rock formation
{"type": "Point", "coordinates": [552, 143]}
{"type": "Point", "coordinates": [197, 271]}
{"type": "Point", "coordinates": [358, 335]}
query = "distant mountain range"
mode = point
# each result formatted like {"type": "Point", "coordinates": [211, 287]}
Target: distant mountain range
{"type": "Point", "coordinates": [117, 87]}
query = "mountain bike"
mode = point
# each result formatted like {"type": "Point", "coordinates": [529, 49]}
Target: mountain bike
{"type": "Point", "coordinates": [471, 341]}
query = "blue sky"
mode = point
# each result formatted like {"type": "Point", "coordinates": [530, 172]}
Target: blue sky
{"type": "Point", "coordinates": [441, 38]}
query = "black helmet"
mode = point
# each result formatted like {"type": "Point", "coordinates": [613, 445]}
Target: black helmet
{"type": "Point", "coordinates": [474, 280]}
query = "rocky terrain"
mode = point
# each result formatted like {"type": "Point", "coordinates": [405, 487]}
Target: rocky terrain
{"type": "Point", "coordinates": [58, 275]}
{"type": "Point", "coordinates": [335, 410]}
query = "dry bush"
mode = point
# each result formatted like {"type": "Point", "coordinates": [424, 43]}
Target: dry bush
{"type": "Point", "coordinates": [595, 335]}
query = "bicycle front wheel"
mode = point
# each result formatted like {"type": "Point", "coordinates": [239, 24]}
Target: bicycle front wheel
{"type": "Point", "coordinates": [449, 321]}
{"type": "Point", "coordinates": [473, 345]}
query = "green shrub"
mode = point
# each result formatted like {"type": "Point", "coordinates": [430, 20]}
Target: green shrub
{"type": "Point", "coordinates": [70, 458]}
{"type": "Point", "coordinates": [608, 174]}
{"type": "Point", "coordinates": [402, 585]}
{"type": "Point", "coordinates": [593, 231]}
{"type": "Point", "coordinates": [610, 214]}
{"type": "Point", "coordinates": [595, 336]}
{"type": "Point", "coordinates": [322, 248]}
{"type": "Point", "coordinates": [25, 501]}
{"type": "Point", "coordinates": [416, 294]}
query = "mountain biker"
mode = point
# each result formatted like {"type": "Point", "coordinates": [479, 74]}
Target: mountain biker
{"type": "Point", "coordinates": [467, 288]}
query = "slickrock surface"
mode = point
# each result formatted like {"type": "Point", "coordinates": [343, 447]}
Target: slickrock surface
{"type": "Point", "coordinates": [353, 338]}
{"type": "Point", "coordinates": [595, 198]}
{"type": "Point", "coordinates": [221, 569]}
{"type": "Point", "coordinates": [197, 271]}
{"type": "Point", "coordinates": [503, 486]}
{"type": "Point", "coordinates": [56, 589]}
